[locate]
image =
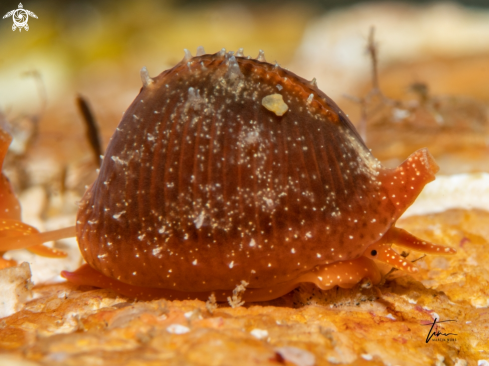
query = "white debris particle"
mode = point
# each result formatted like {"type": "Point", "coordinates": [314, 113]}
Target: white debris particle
{"type": "Point", "coordinates": [177, 329]}
{"type": "Point", "coordinates": [297, 356]}
{"type": "Point", "coordinates": [482, 363]}
{"type": "Point", "coordinates": [259, 333]}
{"type": "Point", "coordinates": [390, 316]}
{"type": "Point", "coordinates": [118, 160]}
{"type": "Point", "coordinates": [157, 250]}
{"type": "Point", "coordinates": [269, 202]}
{"type": "Point", "coordinates": [194, 262]}
{"type": "Point", "coordinates": [367, 357]}
{"type": "Point", "coordinates": [199, 220]}
{"type": "Point", "coordinates": [275, 103]}
{"type": "Point", "coordinates": [231, 265]}
{"type": "Point", "coordinates": [252, 243]}
{"type": "Point", "coordinates": [118, 215]}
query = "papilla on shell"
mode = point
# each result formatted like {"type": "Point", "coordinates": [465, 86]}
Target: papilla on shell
{"type": "Point", "coordinates": [227, 168]}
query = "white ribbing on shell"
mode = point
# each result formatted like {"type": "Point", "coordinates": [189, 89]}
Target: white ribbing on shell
{"type": "Point", "coordinates": [314, 83]}
{"type": "Point", "coordinates": [221, 53]}
{"type": "Point", "coordinates": [145, 78]}
{"type": "Point", "coordinates": [261, 56]}
{"type": "Point", "coordinates": [200, 51]}
{"type": "Point", "coordinates": [240, 52]}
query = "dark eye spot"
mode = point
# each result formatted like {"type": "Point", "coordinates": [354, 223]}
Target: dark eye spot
{"type": "Point", "coordinates": [373, 252]}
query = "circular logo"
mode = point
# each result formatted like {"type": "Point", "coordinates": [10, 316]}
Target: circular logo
{"type": "Point", "coordinates": [20, 18]}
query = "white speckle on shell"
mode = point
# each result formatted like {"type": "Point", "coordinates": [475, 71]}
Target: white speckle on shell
{"type": "Point", "coordinates": [118, 215]}
{"type": "Point", "coordinates": [199, 220]}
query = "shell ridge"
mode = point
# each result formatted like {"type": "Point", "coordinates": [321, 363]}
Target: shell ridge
{"type": "Point", "coordinates": [181, 194]}
{"type": "Point", "coordinates": [144, 174]}
{"type": "Point", "coordinates": [254, 172]}
{"type": "Point", "coordinates": [143, 204]}
{"type": "Point", "coordinates": [228, 194]}
{"type": "Point", "coordinates": [166, 194]}
{"type": "Point", "coordinates": [346, 187]}
{"type": "Point", "coordinates": [312, 137]}
{"type": "Point", "coordinates": [158, 159]}
{"type": "Point", "coordinates": [331, 184]}
{"type": "Point", "coordinates": [127, 170]}
{"type": "Point", "coordinates": [305, 182]}
{"type": "Point", "coordinates": [270, 228]}
{"type": "Point", "coordinates": [210, 170]}
{"type": "Point", "coordinates": [283, 173]}
{"type": "Point", "coordinates": [294, 188]}
{"type": "Point", "coordinates": [197, 196]}
{"type": "Point", "coordinates": [239, 186]}
{"type": "Point", "coordinates": [226, 187]}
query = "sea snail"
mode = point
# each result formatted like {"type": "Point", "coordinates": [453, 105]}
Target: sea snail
{"type": "Point", "coordinates": [227, 168]}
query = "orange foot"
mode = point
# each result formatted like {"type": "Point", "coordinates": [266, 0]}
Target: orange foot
{"type": "Point", "coordinates": [344, 274]}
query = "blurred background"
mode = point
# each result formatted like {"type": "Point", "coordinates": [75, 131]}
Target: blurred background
{"type": "Point", "coordinates": [432, 87]}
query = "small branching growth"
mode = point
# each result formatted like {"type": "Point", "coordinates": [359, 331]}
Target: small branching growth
{"type": "Point", "coordinates": [211, 304]}
{"type": "Point", "coordinates": [235, 300]}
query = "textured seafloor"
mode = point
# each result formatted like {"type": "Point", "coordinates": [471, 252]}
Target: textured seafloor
{"type": "Point", "coordinates": [367, 325]}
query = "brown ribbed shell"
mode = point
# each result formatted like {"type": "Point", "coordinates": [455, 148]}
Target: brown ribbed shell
{"type": "Point", "coordinates": [202, 186]}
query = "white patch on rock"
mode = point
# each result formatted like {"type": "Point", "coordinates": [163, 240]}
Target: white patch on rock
{"type": "Point", "coordinates": [259, 333]}
{"type": "Point", "coordinates": [177, 329]}
{"type": "Point", "coordinates": [16, 286]}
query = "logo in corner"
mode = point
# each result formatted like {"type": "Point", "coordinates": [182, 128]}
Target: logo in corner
{"type": "Point", "coordinates": [20, 17]}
